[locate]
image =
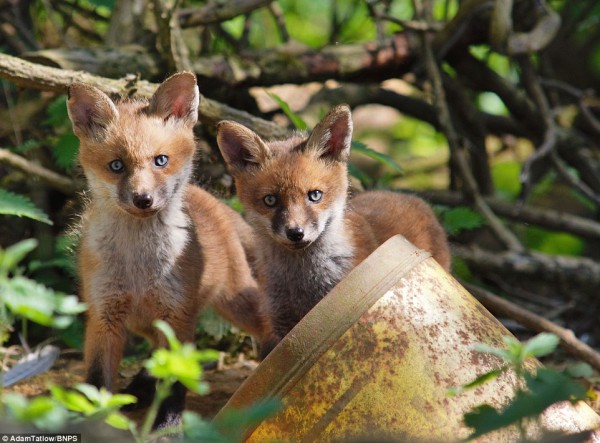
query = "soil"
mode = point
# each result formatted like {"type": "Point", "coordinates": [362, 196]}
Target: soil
{"type": "Point", "coordinates": [223, 381]}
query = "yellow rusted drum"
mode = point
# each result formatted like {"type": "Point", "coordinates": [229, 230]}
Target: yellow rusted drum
{"type": "Point", "coordinates": [375, 357]}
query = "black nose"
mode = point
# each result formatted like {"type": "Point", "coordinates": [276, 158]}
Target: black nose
{"type": "Point", "coordinates": [142, 201]}
{"type": "Point", "coordinates": [295, 234]}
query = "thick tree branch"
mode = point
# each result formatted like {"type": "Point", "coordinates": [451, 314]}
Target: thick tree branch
{"type": "Point", "coordinates": [546, 218]}
{"type": "Point", "coordinates": [287, 64]}
{"type": "Point", "coordinates": [57, 181]}
{"type": "Point", "coordinates": [218, 11]}
{"type": "Point", "coordinates": [579, 271]}
{"type": "Point", "coordinates": [456, 153]}
{"type": "Point", "coordinates": [31, 75]}
{"type": "Point", "coordinates": [569, 342]}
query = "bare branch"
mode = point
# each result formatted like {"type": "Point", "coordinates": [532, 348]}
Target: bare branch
{"type": "Point", "coordinates": [218, 11]}
{"type": "Point", "coordinates": [57, 181]}
{"type": "Point", "coordinates": [569, 342]}
{"type": "Point", "coordinates": [31, 75]}
{"type": "Point", "coordinates": [546, 218]}
{"type": "Point", "coordinates": [456, 153]}
{"type": "Point", "coordinates": [579, 271]}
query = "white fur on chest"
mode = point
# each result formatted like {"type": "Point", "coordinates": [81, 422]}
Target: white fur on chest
{"type": "Point", "coordinates": [137, 255]}
{"type": "Point", "coordinates": [309, 273]}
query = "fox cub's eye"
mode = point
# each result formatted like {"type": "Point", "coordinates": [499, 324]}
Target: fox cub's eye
{"type": "Point", "coordinates": [315, 196]}
{"type": "Point", "coordinates": [161, 160]}
{"type": "Point", "coordinates": [116, 166]}
{"type": "Point", "coordinates": [270, 200]}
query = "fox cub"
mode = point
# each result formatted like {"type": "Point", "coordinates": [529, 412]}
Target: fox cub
{"type": "Point", "coordinates": [295, 196]}
{"type": "Point", "coordinates": [152, 245]}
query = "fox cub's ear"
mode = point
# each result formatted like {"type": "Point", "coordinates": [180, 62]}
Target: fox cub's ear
{"type": "Point", "coordinates": [90, 110]}
{"type": "Point", "coordinates": [331, 138]}
{"type": "Point", "coordinates": [177, 97]}
{"type": "Point", "coordinates": [240, 146]}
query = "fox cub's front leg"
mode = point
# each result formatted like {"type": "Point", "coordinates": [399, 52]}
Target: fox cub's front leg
{"type": "Point", "coordinates": [104, 340]}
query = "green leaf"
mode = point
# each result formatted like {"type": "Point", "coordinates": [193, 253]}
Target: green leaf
{"type": "Point", "coordinates": [181, 362]}
{"type": "Point", "coordinates": [56, 112]}
{"type": "Point", "coordinates": [502, 353]}
{"type": "Point", "coordinates": [235, 422]}
{"type": "Point", "coordinates": [580, 370]}
{"type": "Point", "coordinates": [27, 145]}
{"type": "Point", "coordinates": [355, 171]}
{"type": "Point", "coordinates": [65, 151]}
{"type": "Point", "coordinates": [378, 156]}
{"type": "Point", "coordinates": [195, 428]}
{"type": "Point", "coordinates": [43, 412]}
{"type": "Point", "coordinates": [214, 325]}
{"type": "Point", "coordinates": [73, 400]}
{"type": "Point", "coordinates": [14, 254]}
{"type": "Point", "coordinates": [295, 118]}
{"type": "Point", "coordinates": [166, 329]}
{"type": "Point", "coordinates": [545, 388]}
{"type": "Point", "coordinates": [483, 419]}
{"type": "Point", "coordinates": [38, 303]}
{"type": "Point", "coordinates": [481, 379]}
{"type": "Point", "coordinates": [541, 345]}
{"type": "Point", "coordinates": [21, 206]}
{"type": "Point", "coordinates": [119, 421]}
{"type": "Point", "coordinates": [460, 219]}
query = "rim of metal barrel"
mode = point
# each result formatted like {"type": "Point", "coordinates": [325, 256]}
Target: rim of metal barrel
{"type": "Point", "coordinates": [328, 321]}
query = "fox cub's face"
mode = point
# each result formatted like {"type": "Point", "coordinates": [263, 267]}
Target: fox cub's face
{"type": "Point", "coordinates": [291, 189]}
{"type": "Point", "coordinates": [136, 154]}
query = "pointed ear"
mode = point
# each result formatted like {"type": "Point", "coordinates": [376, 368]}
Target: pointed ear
{"type": "Point", "coordinates": [177, 97]}
{"type": "Point", "coordinates": [90, 110]}
{"type": "Point", "coordinates": [240, 146]}
{"type": "Point", "coordinates": [331, 138]}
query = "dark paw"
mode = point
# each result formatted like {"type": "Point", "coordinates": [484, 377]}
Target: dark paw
{"type": "Point", "coordinates": [143, 387]}
{"type": "Point", "coordinates": [169, 413]}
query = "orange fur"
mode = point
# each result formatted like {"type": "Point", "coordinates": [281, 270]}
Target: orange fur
{"type": "Point", "coordinates": [295, 196]}
{"type": "Point", "coordinates": [153, 246]}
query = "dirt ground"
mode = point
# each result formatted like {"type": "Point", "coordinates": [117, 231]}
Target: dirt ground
{"type": "Point", "coordinates": [223, 382]}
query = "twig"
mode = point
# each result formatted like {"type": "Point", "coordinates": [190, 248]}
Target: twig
{"type": "Point", "coordinates": [537, 38]}
{"type": "Point", "coordinates": [31, 75]}
{"type": "Point", "coordinates": [537, 323]}
{"type": "Point", "coordinates": [277, 13]}
{"type": "Point", "coordinates": [563, 170]}
{"type": "Point", "coordinates": [218, 11]}
{"type": "Point", "coordinates": [457, 155]}
{"type": "Point", "coordinates": [581, 272]}
{"type": "Point", "coordinates": [413, 25]}
{"type": "Point", "coordinates": [546, 218]}
{"type": "Point", "coordinates": [170, 38]}
{"type": "Point", "coordinates": [581, 97]}
{"type": "Point", "coordinates": [57, 181]}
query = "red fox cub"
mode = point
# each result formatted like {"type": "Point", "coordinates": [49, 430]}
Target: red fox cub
{"type": "Point", "coordinates": [152, 245]}
{"type": "Point", "coordinates": [295, 196]}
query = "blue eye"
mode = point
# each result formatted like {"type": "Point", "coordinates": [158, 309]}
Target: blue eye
{"type": "Point", "coordinates": [315, 196]}
{"type": "Point", "coordinates": [270, 200]}
{"type": "Point", "coordinates": [161, 160]}
{"type": "Point", "coordinates": [116, 166]}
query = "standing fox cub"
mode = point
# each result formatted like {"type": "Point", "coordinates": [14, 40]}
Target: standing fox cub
{"type": "Point", "coordinates": [152, 245]}
{"type": "Point", "coordinates": [295, 195]}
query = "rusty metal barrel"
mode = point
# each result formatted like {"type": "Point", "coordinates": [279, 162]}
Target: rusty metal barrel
{"type": "Point", "coordinates": [375, 358]}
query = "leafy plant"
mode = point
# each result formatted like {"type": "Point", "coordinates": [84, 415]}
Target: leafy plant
{"type": "Point", "coordinates": [229, 427]}
{"type": "Point", "coordinates": [296, 120]}
{"type": "Point", "coordinates": [375, 155]}
{"type": "Point", "coordinates": [21, 296]}
{"type": "Point", "coordinates": [89, 402]}
{"type": "Point", "coordinates": [535, 391]}
{"type": "Point", "coordinates": [456, 220]}
{"type": "Point", "coordinates": [42, 412]}
{"type": "Point", "coordinates": [21, 206]}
